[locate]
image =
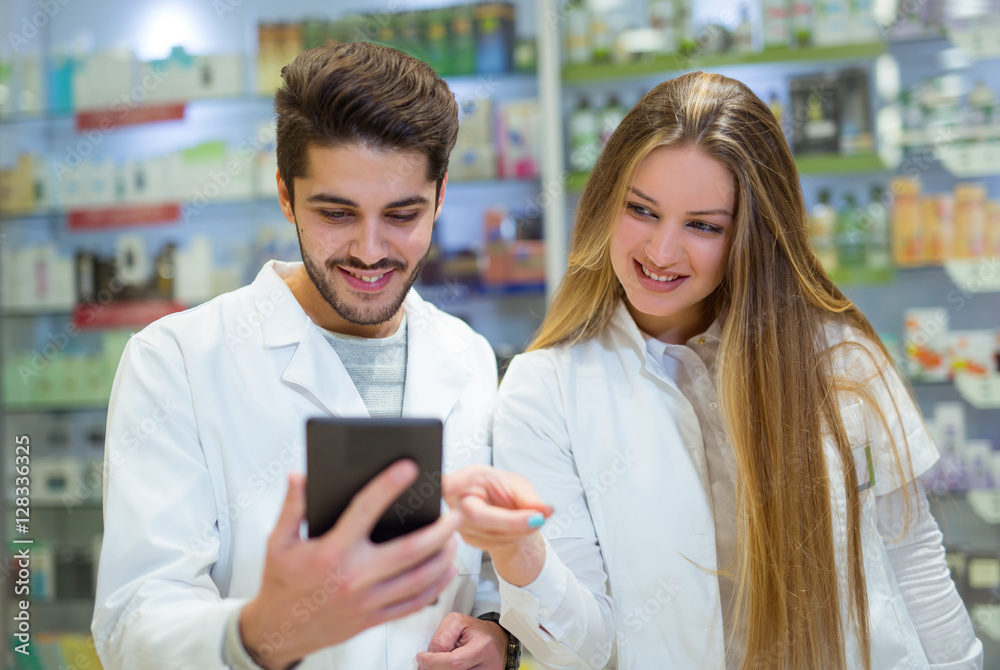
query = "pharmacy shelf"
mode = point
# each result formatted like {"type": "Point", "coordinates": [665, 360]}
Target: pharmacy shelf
{"type": "Point", "coordinates": [865, 276]}
{"type": "Point", "coordinates": [484, 83]}
{"type": "Point", "coordinates": [824, 164]}
{"type": "Point", "coordinates": [579, 74]}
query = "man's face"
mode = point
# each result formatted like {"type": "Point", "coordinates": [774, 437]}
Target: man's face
{"type": "Point", "coordinates": [364, 218]}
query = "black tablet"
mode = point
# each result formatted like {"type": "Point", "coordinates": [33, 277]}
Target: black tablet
{"type": "Point", "coordinates": [342, 455]}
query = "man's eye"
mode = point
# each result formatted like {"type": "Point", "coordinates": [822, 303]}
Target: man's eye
{"type": "Point", "coordinates": [335, 215]}
{"type": "Point", "coordinates": [403, 217]}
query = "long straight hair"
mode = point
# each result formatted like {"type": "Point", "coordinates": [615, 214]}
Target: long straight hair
{"type": "Point", "coordinates": [777, 389]}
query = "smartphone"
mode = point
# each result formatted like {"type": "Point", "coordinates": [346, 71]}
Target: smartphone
{"type": "Point", "coordinates": [342, 455]}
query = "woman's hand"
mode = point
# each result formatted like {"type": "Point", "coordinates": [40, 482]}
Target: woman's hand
{"type": "Point", "coordinates": [501, 514]}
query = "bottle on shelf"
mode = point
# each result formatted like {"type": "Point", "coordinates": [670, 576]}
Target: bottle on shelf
{"type": "Point", "coordinates": [165, 270]}
{"type": "Point", "coordinates": [601, 39]}
{"type": "Point", "coordinates": [663, 18]}
{"type": "Point", "coordinates": [610, 117]}
{"type": "Point", "coordinates": [577, 33]}
{"type": "Point", "coordinates": [802, 23]}
{"type": "Point", "coordinates": [584, 137]}
{"type": "Point", "coordinates": [849, 235]}
{"type": "Point", "coordinates": [778, 109]}
{"type": "Point", "coordinates": [832, 26]}
{"type": "Point", "coordinates": [742, 37]}
{"type": "Point", "coordinates": [822, 219]}
{"type": "Point", "coordinates": [878, 253]}
{"type": "Point", "coordinates": [982, 103]}
{"type": "Point", "coordinates": [776, 23]}
{"type": "Point", "coordinates": [863, 26]}
{"type": "Point", "coordinates": [86, 277]}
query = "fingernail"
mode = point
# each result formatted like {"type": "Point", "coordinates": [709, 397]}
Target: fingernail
{"type": "Point", "coordinates": [536, 520]}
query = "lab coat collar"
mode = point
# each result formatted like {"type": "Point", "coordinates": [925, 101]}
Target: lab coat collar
{"type": "Point", "coordinates": [435, 375]}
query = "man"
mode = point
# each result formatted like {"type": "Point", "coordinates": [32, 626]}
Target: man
{"type": "Point", "coordinates": [202, 564]}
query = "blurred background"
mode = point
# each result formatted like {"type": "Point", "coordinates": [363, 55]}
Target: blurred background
{"type": "Point", "coordinates": [137, 178]}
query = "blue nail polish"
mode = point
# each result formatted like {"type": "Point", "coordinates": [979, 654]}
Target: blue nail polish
{"type": "Point", "coordinates": [536, 520]}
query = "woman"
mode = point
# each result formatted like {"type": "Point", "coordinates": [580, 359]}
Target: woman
{"type": "Point", "coordinates": [731, 458]}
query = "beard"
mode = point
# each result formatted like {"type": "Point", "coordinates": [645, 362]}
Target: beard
{"type": "Point", "coordinates": [359, 308]}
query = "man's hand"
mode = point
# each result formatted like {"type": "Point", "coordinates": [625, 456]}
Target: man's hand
{"type": "Point", "coordinates": [320, 592]}
{"type": "Point", "coordinates": [462, 642]}
{"type": "Point", "coordinates": [501, 514]}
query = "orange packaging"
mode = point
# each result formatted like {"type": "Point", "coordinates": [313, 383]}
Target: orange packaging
{"type": "Point", "coordinates": [969, 240]}
{"type": "Point", "coordinates": [907, 232]}
{"type": "Point", "coordinates": [993, 230]}
{"type": "Point", "coordinates": [937, 214]}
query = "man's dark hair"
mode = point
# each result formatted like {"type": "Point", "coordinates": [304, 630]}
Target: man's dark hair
{"type": "Point", "coordinates": [363, 93]}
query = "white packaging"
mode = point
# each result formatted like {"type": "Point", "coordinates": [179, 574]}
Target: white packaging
{"type": "Point", "coordinates": [949, 428]}
{"type": "Point", "coordinates": [977, 458]}
{"type": "Point", "coordinates": [193, 280]}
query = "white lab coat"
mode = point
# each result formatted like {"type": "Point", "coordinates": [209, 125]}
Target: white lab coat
{"type": "Point", "coordinates": [207, 417]}
{"type": "Point", "coordinates": [608, 439]}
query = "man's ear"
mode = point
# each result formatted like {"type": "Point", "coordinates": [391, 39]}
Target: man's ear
{"type": "Point", "coordinates": [285, 198]}
{"type": "Point", "coordinates": [440, 197]}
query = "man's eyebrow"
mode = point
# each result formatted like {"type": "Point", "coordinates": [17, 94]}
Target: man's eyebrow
{"type": "Point", "coordinates": [331, 199]}
{"type": "Point", "coordinates": [701, 212]}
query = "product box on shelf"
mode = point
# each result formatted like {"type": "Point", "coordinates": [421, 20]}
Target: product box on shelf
{"type": "Point", "coordinates": [519, 140]}
{"type": "Point", "coordinates": [494, 30]}
{"type": "Point", "coordinates": [183, 76]}
{"type": "Point", "coordinates": [512, 253]}
{"type": "Point", "coordinates": [815, 115]}
{"type": "Point", "coordinates": [104, 78]}
{"type": "Point", "coordinates": [974, 352]}
{"type": "Point", "coordinates": [925, 341]}
{"type": "Point", "coordinates": [474, 156]}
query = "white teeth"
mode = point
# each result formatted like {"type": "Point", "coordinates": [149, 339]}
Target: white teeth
{"type": "Point", "coordinates": [370, 280]}
{"type": "Point", "coordinates": [663, 278]}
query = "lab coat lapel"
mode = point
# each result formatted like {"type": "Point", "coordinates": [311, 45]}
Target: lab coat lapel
{"type": "Point", "coordinates": [435, 377]}
{"type": "Point", "coordinates": [314, 369]}
{"type": "Point", "coordinates": [317, 372]}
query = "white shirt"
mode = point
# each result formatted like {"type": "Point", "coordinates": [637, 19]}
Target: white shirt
{"type": "Point", "coordinates": [632, 455]}
{"type": "Point", "coordinates": [207, 417]}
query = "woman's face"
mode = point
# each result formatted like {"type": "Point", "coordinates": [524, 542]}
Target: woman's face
{"type": "Point", "coordinates": [670, 245]}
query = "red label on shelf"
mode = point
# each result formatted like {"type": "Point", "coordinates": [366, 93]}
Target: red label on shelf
{"type": "Point", "coordinates": [96, 315]}
{"type": "Point", "coordinates": [115, 117]}
{"type": "Point", "coordinates": [131, 215]}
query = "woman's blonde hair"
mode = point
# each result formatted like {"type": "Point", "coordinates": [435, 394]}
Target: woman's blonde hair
{"type": "Point", "coordinates": [776, 385]}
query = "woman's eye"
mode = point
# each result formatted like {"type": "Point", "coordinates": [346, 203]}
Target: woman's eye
{"type": "Point", "coordinates": [641, 210]}
{"type": "Point", "coordinates": [705, 227]}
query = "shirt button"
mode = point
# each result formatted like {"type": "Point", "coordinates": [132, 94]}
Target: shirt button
{"type": "Point", "coordinates": [544, 611]}
{"type": "Point", "coordinates": [713, 405]}
{"type": "Point", "coordinates": [700, 371]}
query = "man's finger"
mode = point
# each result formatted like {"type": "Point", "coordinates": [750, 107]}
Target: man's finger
{"type": "Point", "coordinates": [370, 503]}
{"type": "Point", "coordinates": [286, 530]}
{"type": "Point", "coordinates": [421, 600]}
{"type": "Point", "coordinates": [397, 556]}
{"type": "Point", "coordinates": [463, 657]}
{"type": "Point", "coordinates": [448, 633]}
{"type": "Point", "coordinates": [407, 584]}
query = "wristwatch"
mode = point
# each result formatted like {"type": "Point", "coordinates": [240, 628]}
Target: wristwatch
{"type": "Point", "coordinates": [513, 644]}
